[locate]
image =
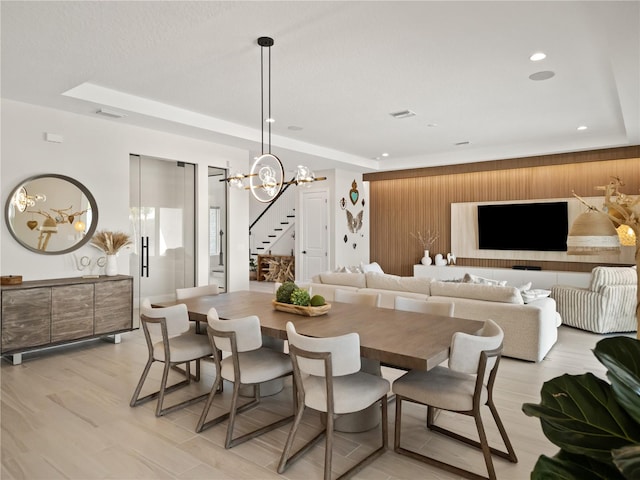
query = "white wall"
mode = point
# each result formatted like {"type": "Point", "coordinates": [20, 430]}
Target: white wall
{"type": "Point", "coordinates": [340, 253]}
{"type": "Point", "coordinates": [95, 152]}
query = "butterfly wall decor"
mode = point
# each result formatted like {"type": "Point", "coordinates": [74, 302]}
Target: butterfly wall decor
{"type": "Point", "coordinates": [354, 224]}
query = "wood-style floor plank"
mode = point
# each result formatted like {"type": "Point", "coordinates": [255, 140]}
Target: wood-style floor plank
{"type": "Point", "coordinates": [65, 414]}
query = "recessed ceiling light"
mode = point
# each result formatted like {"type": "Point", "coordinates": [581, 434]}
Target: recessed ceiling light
{"type": "Point", "coordinates": [269, 120]}
{"type": "Point", "coordinates": [385, 154]}
{"type": "Point", "coordinates": [544, 75]}
{"type": "Point", "coordinates": [582, 127]}
{"type": "Point", "coordinates": [403, 114]}
{"type": "Point", "coordinates": [536, 57]}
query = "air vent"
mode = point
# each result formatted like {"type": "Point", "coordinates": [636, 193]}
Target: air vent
{"type": "Point", "coordinates": [403, 114]}
{"type": "Point", "coordinates": [111, 113]}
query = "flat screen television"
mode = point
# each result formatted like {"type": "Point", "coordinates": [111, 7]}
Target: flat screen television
{"type": "Point", "coordinates": [523, 226]}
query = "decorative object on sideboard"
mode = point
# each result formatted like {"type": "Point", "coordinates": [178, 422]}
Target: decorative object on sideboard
{"type": "Point", "coordinates": [590, 238]}
{"type": "Point", "coordinates": [11, 280]}
{"type": "Point", "coordinates": [62, 230]}
{"type": "Point", "coordinates": [266, 178]}
{"type": "Point", "coordinates": [439, 260]}
{"type": "Point", "coordinates": [88, 264]}
{"type": "Point", "coordinates": [451, 259]}
{"type": "Point", "coordinates": [426, 240]}
{"type": "Point", "coordinates": [110, 243]}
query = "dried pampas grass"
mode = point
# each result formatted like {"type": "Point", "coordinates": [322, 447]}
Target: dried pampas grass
{"type": "Point", "coordinates": [110, 242]}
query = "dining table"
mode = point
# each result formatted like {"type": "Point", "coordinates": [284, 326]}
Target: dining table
{"type": "Point", "coordinates": [400, 339]}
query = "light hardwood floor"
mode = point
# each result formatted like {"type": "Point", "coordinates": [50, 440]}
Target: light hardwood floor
{"type": "Point", "coordinates": [65, 414]}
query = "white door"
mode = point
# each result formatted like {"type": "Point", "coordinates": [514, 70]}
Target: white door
{"type": "Point", "coordinates": [162, 215]}
{"type": "Point", "coordinates": [314, 234]}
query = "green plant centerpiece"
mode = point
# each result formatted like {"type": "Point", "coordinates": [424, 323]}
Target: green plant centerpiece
{"type": "Point", "coordinates": [596, 424]}
{"type": "Point", "coordinates": [293, 299]}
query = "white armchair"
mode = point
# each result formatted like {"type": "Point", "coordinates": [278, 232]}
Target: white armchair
{"type": "Point", "coordinates": [608, 305]}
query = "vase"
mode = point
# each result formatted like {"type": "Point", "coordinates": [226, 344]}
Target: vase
{"type": "Point", "coordinates": [111, 269]}
{"type": "Point", "coordinates": [426, 260]}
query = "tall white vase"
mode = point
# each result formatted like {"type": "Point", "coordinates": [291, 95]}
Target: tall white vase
{"type": "Point", "coordinates": [426, 260]}
{"type": "Point", "coordinates": [111, 269]}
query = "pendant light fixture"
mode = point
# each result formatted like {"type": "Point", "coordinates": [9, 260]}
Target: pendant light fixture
{"type": "Point", "coordinates": [266, 178]}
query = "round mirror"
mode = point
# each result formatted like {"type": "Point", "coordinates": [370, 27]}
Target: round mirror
{"type": "Point", "coordinates": [51, 214]}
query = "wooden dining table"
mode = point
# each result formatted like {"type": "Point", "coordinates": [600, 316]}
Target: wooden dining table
{"type": "Point", "coordinates": [396, 338]}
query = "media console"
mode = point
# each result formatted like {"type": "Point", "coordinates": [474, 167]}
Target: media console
{"type": "Point", "coordinates": [544, 279]}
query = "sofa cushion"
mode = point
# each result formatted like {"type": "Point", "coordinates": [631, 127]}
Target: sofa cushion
{"type": "Point", "coordinates": [372, 267]}
{"type": "Point", "coordinates": [397, 283]}
{"type": "Point", "coordinates": [347, 279]}
{"type": "Point", "coordinates": [490, 293]}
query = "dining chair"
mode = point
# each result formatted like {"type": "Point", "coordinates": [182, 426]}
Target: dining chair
{"type": "Point", "coordinates": [463, 387]}
{"type": "Point", "coordinates": [444, 309]}
{"type": "Point", "coordinates": [358, 298]}
{"type": "Point", "coordinates": [171, 342]}
{"type": "Point", "coordinates": [191, 292]}
{"type": "Point", "coordinates": [247, 363]}
{"type": "Point", "coordinates": [328, 379]}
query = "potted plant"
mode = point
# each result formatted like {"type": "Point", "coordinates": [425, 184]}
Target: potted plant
{"type": "Point", "coordinates": [596, 424]}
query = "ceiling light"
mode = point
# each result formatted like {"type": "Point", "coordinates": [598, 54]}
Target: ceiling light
{"type": "Point", "coordinates": [536, 57]}
{"type": "Point", "coordinates": [582, 127]}
{"type": "Point", "coordinates": [544, 75]}
{"type": "Point", "coordinates": [461, 143]}
{"type": "Point", "coordinates": [403, 114]}
{"type": "Point", "coordinates": [111, 113]}
{"type": "Point", "coordinates": [385, 154]}
{"type": "Point", "coordinates": [266, 178]}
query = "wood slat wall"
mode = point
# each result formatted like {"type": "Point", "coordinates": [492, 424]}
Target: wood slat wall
{"type": "Point", "coordinates": [401, 203]}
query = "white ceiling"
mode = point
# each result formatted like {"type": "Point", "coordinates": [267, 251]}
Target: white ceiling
{"type": "Point", "coordinates": [339, 69]}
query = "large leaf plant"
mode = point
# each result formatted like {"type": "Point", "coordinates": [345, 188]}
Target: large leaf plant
{"type": "Point", "coordinates": [596, 424]}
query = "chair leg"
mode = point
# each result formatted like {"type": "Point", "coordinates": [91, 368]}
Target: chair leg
{"type": "Point", "coordinates": [484, 445]}
{"type": "Point", "coordinates": [233, 411]}
{"type": "Point", "coordinates": [205, 411]}
{"type": "Point", "coordinates": [285, 459]}
{"type": "Point", "coordinates": [511, 453]}
{"type": "Point", "coordinates": [163, 386]}
{"type": "Point", "coordinates": [328, 449]}
{"type": "Point", "coordinates": [143, 377]}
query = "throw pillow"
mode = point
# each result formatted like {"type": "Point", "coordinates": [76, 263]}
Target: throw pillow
{"type": "Point", "coordinates": [470, 278]}
{"type": "Point", "coordinates": [530, 295]}
{"type": "Point", "coordinates": [525, 287]}
{"type": "Point", "coordinates": [371, 267]}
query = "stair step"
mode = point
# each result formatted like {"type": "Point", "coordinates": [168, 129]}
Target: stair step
{"type": "Point", "coordinates": [291, 216]}
{"type": "Point", "coordinates": [278, 229]}
{"type": "Point", "coordinates": [271, 236]}
{"type": "Point", "coordinates": [266, 243]}
{"type": "Point", "coordinates": [284, 223]}
{"type": "Point", "coordinates": [259, 248]}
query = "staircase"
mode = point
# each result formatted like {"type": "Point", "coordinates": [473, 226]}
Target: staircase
{"type": "Point", "coordinates": [277, 222]}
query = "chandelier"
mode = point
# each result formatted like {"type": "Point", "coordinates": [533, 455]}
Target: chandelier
{"type": "Point", "coordinates": [266, 178]}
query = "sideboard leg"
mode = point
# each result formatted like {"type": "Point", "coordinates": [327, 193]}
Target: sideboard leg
{"type": "Point", "coordinates": [15, 358]}
{"type": "Point", "coordinates": [115, 338]}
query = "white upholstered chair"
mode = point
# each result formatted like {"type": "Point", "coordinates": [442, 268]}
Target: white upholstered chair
{"type": "Point", "coordinates": [328, 379]}
{"type": "Point", "coordinates": [249, 363]}
{"type": "Point", "coordinates": [608, 305]}
{"type": "Point", "coordinates": [444, 309]}
{"type": "Point", "coordinates": [463, 387]}
{"type": "Point", "coordinates": [358, 298]}
{"type": "Point", "coordinates": [171, 342]}
{"type": "Point", "coordinates": [191, 292]}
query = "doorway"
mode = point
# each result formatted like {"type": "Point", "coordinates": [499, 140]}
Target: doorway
{"type": "Point", "coordinates": [218, 260]}
{"type": "Point", "coordinates": [314, 233]}
{"type": "Point", "coordinates": [162, 216]}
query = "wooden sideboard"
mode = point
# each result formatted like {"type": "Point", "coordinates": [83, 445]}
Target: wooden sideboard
{"type": "Point", "coordinates": [276, 268]}
{"type": "Point", "coordinates": [43, 313]}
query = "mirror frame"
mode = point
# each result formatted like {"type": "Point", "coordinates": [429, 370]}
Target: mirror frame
{"type": "Point", "coordinates": [85, 191]}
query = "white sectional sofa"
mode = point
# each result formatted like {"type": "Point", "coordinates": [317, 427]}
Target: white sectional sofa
{"type": "Point", "coordinates": [530, 329]}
